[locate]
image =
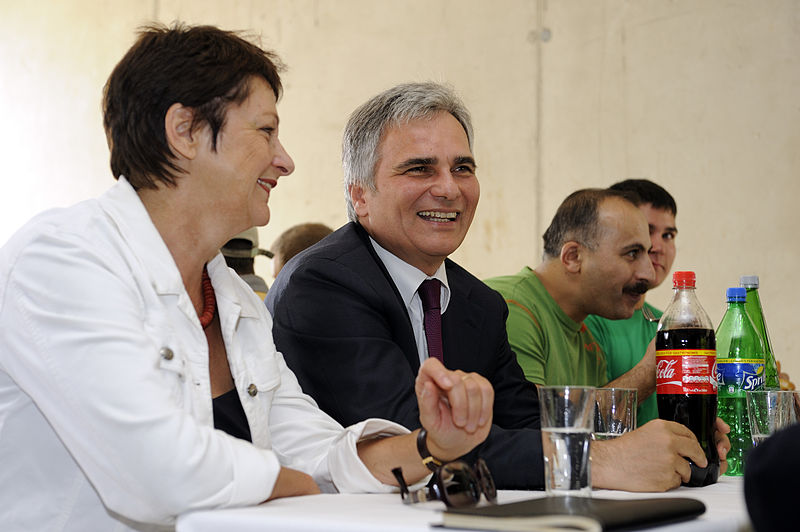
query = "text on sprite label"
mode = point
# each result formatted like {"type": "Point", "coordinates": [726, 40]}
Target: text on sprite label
{"type": "Point", "coordinates": [740, 375]}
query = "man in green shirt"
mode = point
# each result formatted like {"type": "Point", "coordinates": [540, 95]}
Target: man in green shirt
{"type": "Point", "coordinates": [595, 262]}
{"type": "Point", "coordinates": [551, 346]}
{"type": "Point", "coordinates": [625, 341]}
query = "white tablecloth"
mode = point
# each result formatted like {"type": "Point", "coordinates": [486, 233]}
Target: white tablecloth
{"type": "Point", "coordinates": [725, 511]}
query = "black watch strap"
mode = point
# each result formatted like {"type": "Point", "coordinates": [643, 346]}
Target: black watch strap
{"type": "Point", "coordinates": [422, 447]}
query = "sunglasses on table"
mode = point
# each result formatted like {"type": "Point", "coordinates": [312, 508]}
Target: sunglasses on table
{"type": "Point", "coordinates": [455, 483]}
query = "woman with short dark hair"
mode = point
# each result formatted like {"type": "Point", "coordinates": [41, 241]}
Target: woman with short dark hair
{"type": "Point", "coordinates": [138, 376]}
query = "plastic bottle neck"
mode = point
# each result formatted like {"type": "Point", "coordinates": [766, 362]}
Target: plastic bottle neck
{"type": "Point", "coordinates": [753, 297]}
{"type": "Point", "coordinates": [685, 311]}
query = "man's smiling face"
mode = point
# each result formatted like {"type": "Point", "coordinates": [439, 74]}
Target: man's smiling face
{"type": "Point", "coordinates": [426, 191]}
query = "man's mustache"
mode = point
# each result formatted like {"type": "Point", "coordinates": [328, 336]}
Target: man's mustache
{"type": "Point", "coordinates": [639, 287]}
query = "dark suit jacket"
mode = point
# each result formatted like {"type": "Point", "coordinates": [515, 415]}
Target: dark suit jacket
{"type": "Point", "coordinates": [770, 481]}
{"type": "Point", "coordinates": [343, 329]}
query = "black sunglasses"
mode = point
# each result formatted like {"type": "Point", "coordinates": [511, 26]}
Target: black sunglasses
{"type": "Point", "coordinates": [455, 483]}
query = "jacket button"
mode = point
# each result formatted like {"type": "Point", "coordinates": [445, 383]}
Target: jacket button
{"type": "Point", "coordinates": [166, 353]}
{"type": "Point", "coordinates": [252, 390]}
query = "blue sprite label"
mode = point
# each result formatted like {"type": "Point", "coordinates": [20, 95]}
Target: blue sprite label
{"type": "Point", "coordinates": [736, 377]}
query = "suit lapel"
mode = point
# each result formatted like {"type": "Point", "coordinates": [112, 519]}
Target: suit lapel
{"type": "Point", "coordinates": [397, 315]}
{"type": "Point", "coordinates": [461, 323]}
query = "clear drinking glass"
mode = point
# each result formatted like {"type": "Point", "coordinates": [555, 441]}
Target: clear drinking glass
{"type": "Point", "coordinates": [567, 414]}
{"type": "Point", "coordinates": [796, 404]}
{"type": "Point", "coordinates": [769, 411]}
{"type": "Point", "coordinates": [615, 412]}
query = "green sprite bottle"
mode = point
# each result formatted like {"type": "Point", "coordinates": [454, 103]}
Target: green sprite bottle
{"type": "Point", "coordinates": [756, 313]}
{"type": "Point", "coordinates": [740, 367]}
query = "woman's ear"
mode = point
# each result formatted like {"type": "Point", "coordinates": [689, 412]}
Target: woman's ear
{"type": "Point", "coordinates": [181, 137]}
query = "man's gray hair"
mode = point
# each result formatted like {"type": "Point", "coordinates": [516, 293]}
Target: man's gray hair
{"type": "Point", "coordinates": [398, 105]}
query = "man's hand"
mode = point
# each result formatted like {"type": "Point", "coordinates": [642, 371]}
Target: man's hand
{"type": "Point", "coordinates": [455, 407]}
{"type": "Point", "coordinates": [723, 444]}
{"type": "Point", "coordinates": [291, 483]}
{"type": "Point", "coordinates": [651, 458]}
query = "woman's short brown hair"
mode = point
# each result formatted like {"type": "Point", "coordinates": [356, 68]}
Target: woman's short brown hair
{"type": "Point", "coordinates": [201, 67]}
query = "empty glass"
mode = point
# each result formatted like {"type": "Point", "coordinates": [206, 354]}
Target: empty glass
{"type": "Point", "coordinates": [615, 412]}
{"type": "Point", "coordinates": [769, 411]}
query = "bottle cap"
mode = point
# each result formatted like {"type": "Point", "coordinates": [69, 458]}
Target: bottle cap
{"type": "Point", "coordinates": [748, 281]}
{"type": "Point", "coordinates": [683, 280]}
{"type": "Point", "coordinates": [736, 294]}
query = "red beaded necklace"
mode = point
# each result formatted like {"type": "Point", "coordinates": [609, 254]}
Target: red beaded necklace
{"type": "Point", "coordinates": [209, 301]}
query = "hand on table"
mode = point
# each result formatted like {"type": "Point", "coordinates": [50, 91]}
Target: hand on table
{"type": "Point", "coordinates": [723, 444]}
{"type": "Point", "coordinates": [650, 458]}
{"type": "Point", "coordinates": [455, 408]}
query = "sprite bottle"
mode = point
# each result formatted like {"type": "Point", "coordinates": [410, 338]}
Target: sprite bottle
{"type": "Point", "coordinates": [740, 367]}
{"type": "Point", "coordinates": [756, 313]}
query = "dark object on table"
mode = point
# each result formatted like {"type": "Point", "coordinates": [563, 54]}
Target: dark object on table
{"type": "Point", "coordinates": [611, 514]}
{"type": "Point", "coordinates": [770, 481]}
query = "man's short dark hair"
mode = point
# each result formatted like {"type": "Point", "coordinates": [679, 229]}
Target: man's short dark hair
{"type": "Point", "coordinates": [649, 192]}
{"type": "Point", "coordinates": [296, 239]}
{"type": "Point", "coordinates": [202, 67]}
{"type": "Point", "coordinates": [576, 219]}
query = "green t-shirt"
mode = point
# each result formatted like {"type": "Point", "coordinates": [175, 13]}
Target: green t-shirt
{"type": "Point", "coordinates": [551, 347]}
{"type": "Point", "coordinates": [625, 342]}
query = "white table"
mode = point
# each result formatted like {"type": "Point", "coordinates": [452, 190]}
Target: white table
{"type": "Point", "coordinates": [725, 511]}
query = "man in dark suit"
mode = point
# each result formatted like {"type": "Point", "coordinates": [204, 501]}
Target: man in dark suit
{"type": "Point", "coordinates": [341, 313]}
{"type": "Point", "coordinates": [356, 313]}
{"type": "Point", "coordinates": [345, 332]}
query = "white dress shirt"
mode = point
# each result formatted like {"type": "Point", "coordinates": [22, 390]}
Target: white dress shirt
{"type": "Point", "coordinates": [407, 279]}
{"type": "Point", "coordinates": [106, 417]}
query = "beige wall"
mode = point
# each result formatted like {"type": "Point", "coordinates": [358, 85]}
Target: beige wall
{"type": "Point", "coordinates": [699, 96]}
{"type": "Point", "coordinates": [703, 98]}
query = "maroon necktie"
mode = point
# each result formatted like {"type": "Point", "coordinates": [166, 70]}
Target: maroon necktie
{"type": "Point", "coordinates": [429, 294]}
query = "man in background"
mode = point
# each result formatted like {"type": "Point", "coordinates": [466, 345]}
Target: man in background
{"type": "Point", "coordinates": [293, 241]}
{"type": "Point", "coordinates": [240, 253]}
{"type": "Point", "coordinates": [595, 262]}
{"type": "Point", "coordinates": [625, 341]}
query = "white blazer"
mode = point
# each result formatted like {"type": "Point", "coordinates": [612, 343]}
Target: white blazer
{"type": "Point", "coordinates": [105, 403]}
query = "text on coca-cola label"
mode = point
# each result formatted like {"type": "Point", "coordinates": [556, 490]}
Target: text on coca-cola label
{"type": "Point", "coordinates": [686, 371]}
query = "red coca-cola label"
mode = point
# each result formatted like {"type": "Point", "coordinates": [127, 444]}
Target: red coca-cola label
{"type": "Point", "coordinates": [686, 371]}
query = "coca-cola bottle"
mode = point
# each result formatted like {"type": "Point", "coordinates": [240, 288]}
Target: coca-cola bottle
{"type": "Point", "coordinates": [740, 368]}
{"type": "Point", "coordinates": [686, 375]}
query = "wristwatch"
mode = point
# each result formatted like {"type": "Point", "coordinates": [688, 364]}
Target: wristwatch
{"type": "Point", "coordinates": [428, 459]}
